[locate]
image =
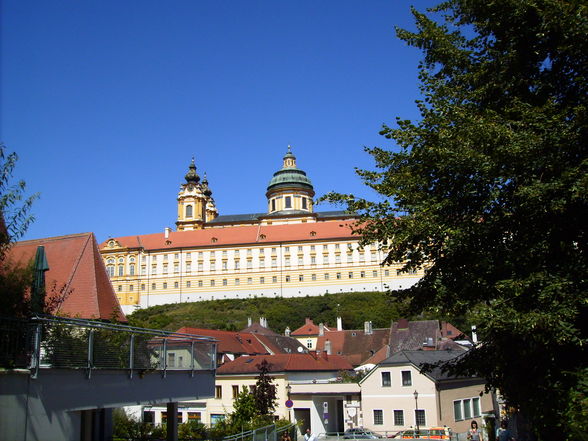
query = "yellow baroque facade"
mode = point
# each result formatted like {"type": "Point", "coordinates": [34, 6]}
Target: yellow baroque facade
{"type": "Point", "coordinates": [289, 251]}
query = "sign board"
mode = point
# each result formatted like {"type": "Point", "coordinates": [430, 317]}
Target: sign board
{"type": "Point", "coordinates": [289, 403]}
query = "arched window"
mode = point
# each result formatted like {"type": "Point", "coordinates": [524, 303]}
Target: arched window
{"type": "Point", "coordinates": [189, 212]}
{"type": "Point", "coordinates": [120, 270]}
{"type": "Point", "coordinates": [288, 202]}
{"type": "Point", "coordinates": [132, 269]}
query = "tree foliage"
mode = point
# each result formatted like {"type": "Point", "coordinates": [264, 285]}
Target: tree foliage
{"type": "Point", "coordinates": [15, 208]}
{"type": "Point", "coordinates": [488, 189]}
{"type": "Point", "coordinates": [231, 314]}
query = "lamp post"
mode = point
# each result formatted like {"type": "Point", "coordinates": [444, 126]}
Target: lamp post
{"type": "Point", "coordinates": [416, 408]}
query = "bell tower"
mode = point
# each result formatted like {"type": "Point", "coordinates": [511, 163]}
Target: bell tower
{"type": "Point", "coordinates": [195, 203]}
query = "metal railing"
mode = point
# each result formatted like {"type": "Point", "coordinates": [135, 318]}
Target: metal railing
{"type": "Point", "coordinates": [266, 433]}
{"type": "Point", "coordinates": [43, 342]}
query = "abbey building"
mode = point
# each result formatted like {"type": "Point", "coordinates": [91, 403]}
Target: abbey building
{"type": "Point", "coordinates": [289, 250]}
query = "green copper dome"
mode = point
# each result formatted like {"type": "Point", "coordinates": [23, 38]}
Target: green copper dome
{"type": "Point", "coordinates": [290, 175]}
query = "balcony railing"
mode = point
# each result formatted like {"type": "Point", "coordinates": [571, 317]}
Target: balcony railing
{"type": "Point", "coordinates": [45, 342]}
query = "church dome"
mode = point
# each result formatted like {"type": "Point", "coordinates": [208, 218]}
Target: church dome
{"type": "Point", "coordinates": [290, 176]}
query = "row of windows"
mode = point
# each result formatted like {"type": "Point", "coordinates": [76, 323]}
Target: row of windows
{"type": "Point", "coordinates": [406, 379]}
{"type": "Point", "coordinates": [249, 252]}
{"type": "Point", "coordinates": [262, 280]}
{"type": "Point", "coordinates": [466, 408]}
{"type": "Point", "coordinates": [419, 417]}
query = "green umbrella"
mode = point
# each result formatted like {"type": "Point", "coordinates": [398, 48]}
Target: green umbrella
{"type": "Point", "coordinates": [38, 294]}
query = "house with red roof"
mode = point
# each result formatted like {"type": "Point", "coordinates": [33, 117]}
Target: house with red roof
{"type": "Point", "coordinates": [76, 276]}
{"type": "Point", "coordinates": [309, 389]}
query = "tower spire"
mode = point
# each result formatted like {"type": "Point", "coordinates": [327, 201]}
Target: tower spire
{"type": "Point", "coordinates": [192, 177]}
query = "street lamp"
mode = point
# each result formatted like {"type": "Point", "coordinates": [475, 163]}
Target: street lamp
{"type": "Point", "coordinates": [416, 417]}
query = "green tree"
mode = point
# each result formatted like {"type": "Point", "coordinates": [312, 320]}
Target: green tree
{"type": "Point", "coordinates": [15, 208]}
{"type": "Point", "coordinates": [244, 410]}
{"type": "Point", "coordinates": [487, 190]}
{"type": "Point", "coordinates": [264, 391]}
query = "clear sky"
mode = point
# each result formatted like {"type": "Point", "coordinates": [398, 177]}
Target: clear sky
{"type": "Point", "coordinates": [106, 101]}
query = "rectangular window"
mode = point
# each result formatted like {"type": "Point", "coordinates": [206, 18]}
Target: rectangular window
{"type": "Point", "coordinates": [386, 273]}
{"type": "Point", "coordinates": [165, 268]}
{"type": "Point", "coordinates": [212, 282]}
{"type": "Point", "coordinates": [287, 261]}
{"type": "Point", "coordinates": [274, 261]}
{"type": "Point", "coordinates": [476, 407]}
{"type": "Point", "coordinates": [235, 391]}
{"type": "Point", "coordinates": [200, 266]}
{"type": "Point", "coordinates": [176, 267]}
{"type": "Point", "coordinates": [225, 282]}
{"type": "Point", "coordinates": [287, 278]}
{"type": "Point", "coordinates": [153, 286]}
{"type": "Point", "coordinates": [288, 200]}
{"type": "Point", "coordinates": [313, 260]}
{"type": "Point", "coordinates": [309, 344]}
{"type": "Point", "coordinates": [325, 259]}
{"type": "Point", "coordinates": [338, 258]}
{"type": "Point", "coordinates": [301, 278]}
{"type": "Point", "coordinates": [165, 257]}
{"type": "Point", "coordinates": [338, 275]}
{"type": "Point", "coordinates": [274, 279]}
{"type": "Point", "coordinates": [142, 287]}
{"type": "Point", "coordinates": [212, 265]}
{"type": "Point", "coordinates": [237, 264]}
{"type": "Point", "coordinates": [131, 287]}
{"type": "Point", "coordinates": [188, 284]}
{"type": "Point", "coordinates": [262, 262]}
{"type": "Point", "coordinates": [406, 378]}
{"type": "Point", "coordinates": [378, 417]}
{"type": "Point", "coordinates": [249, 264]}
{"type": "Point", "coordinates": [420, 419]}
{"type": "Point", "coordinates": [262, 280]}
{"type": "Point", "coordinates": [350, 274]}
{"type": "Point", "coordinates": [386, 379]}
{"type": "Point", "coordinates": [326, 276]}
{"type": "Point", "coordinates": [457, 413]}
{"type": "Point", "coordinates": [399, 417]}
{"type": "Point", "coordinates": [200, 283]}
{"type": "Point", "coordinates": [143, 270]}
{"type": "Point", "coordinates": [300, 261]}
{"type": "Point", "coordinates": [171, 360]}
{"type": "Point", "coordinates": [467, 409]}
{"type": "Point", "coordinates": [119, 288]}
{"type": "Point", "coordinates": [362, 274]}
{"type": "Point", "coordinates": [313, 277]}
{"type": "Point", "coordinates": [188, 267]}
{"type": "Point", "coordinates": [153, 269]}
{"type": "Point", "coordinates": [218, 392]}
{"type": "Point", "coordinates": [194, 416]}
{"type": "Point", "coordinates": [237, 281]}
{"type": "Point", "coordinates": [374, 273]}
{"type": "Point", "coordinates": [176, 284]}
{"type": "Point", "coordinates": [164, 285]}
{"type": "Point", "coordinates": [225, 265]}
{"type": "Point", "coordinates": [249, 280]}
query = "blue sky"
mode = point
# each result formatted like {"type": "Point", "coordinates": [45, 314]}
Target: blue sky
{"type": "Point", "coordinates": [106, 101]}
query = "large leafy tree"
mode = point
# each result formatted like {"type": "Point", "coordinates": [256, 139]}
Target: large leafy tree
{"type": "Point", "coordinates": [488, 191]}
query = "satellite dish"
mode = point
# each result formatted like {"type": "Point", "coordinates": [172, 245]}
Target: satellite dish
{"type": "Point", "coordinates": [300, 349]}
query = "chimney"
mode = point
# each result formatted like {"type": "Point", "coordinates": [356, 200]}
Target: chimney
{"type": "Point", "coordinates": [308, 321]}
{"type": "Point", "coordinates": [166, 232]}
{"type": "Point", "coordinates": [474, 335]}
{"type": "Point", "coordinates": [249, 323]}
{"type": "Point", "coordinates": [367, 328]}
{"type": "Point", "coordinates": [327, 347]}
{"type": "Point", "coordinates": [403, 324]}
{"type": "Point", "coordinates": [261, 321]}
{"type": "Point", "coordinates": [321, 329]}
{"type": "Point", "coordinates": [287, 331]}
{"type": "Point", "coordinates": [265, 322]}
{"type": "Point", "coordinates": [339, 324]}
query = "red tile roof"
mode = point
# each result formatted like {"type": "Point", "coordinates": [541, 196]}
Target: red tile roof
{"type": "Point", "coordinates": [74, 264]}
{"type": "Point", "coordinates": [355, 345]}
{"type": "Point", "coordinates": [230, 342]}
{"type": "Point", "coordinates": [308, 329]}
{"type": "Point", "coordinates": [286, 363]}
{"type": "Point", "coordinates": [314, 231]}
